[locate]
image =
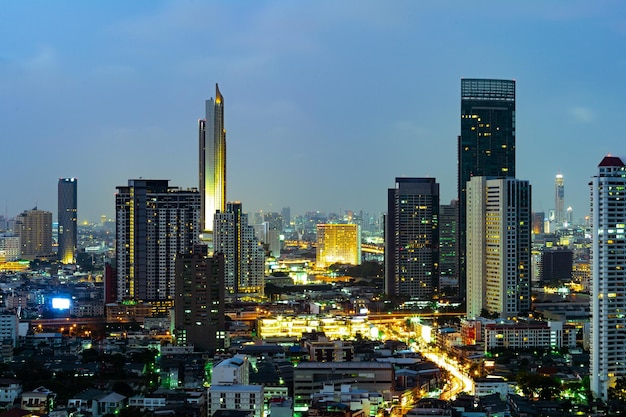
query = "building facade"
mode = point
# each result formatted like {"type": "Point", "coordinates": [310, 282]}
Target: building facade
{"type": "Point", "coordinates": [338, 243]}
{"type": "Point", "coordinates": [498, 248]}
{"type": "Point", "coordinates": [154, 223]}
{"type": "Point", "coordinates": [486, 146]}
{"type": "Point", "coordinates": [608, 321]}
{"type": "Point", "coordinates": [412, 238]}
{"type": "Point", "coordinates": [34, 227]}
{"type": "Point", "coordinates": [449, 248]}
{"type": "Point", "coordinates": [199, 303]}
{"type": "Point", "coordinates": [67, 232]}
{"type": "Point", "coordinates": [559, 201]}
{"type": "Point", "coordinates": [244, 256]}
{"type": "Point", "coordinates": [212, 143]}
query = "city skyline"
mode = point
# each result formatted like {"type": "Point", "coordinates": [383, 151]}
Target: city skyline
{"type": "Point", "coordinates": [119, 86]}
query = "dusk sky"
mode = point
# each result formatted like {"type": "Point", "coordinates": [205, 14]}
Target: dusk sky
{"type": "Point", "coordinates": [326, 102]}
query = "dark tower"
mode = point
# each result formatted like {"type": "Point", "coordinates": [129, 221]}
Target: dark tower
{"type": "Point", "coordinates": [412, 238]}
{"type": "Point", "coordinates": [67, 202]}
{"type": "Point", "coordinates": [486, 146]}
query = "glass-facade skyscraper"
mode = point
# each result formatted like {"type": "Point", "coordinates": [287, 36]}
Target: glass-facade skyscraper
{"type": "Point", "coordinates": [154, 223]}
{"type": "Point", "coordinates": [212, 143]}
{"type": "Point", "coordinates": [67, 202]}
{"type": "Point", "coordinates": [412, 238]}
{"type": "Point", "coordinates": [486, 146]}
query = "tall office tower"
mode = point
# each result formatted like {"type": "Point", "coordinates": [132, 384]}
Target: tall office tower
{"type": "Point", "coordinates": [275, 229]}
{"type": "Point", "coordinates": [498, 246]}
{"type": "Point", "coordinates": [244, 256]}
{"type": "Point", "coordinates": [338, 243]}
{"type": "Point", "coordinates": [67, 232]}
{"type": "Point", "coordinates": [412, 238]}
{"type": "Point", "coordinates": [286, 213]}
{"type": "Point", "coordinates": [559, 201]}
{"type": "Point", "coordinates": [486, 146]}
{"type": "Point", "coordinates": [212, 140]}
{"type": "Point", "coordinates": [608, 299]}
{"type": "Point", "coordinates": [449, 248]}
{"type": "Point", "coordinates": [154, 223]}
{"type": "Point", "coordinates": [199, 303]}
{"type": "Point", "coordinates": [34, 227]}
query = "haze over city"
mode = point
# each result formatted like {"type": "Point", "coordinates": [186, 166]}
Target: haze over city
{"type": "Point", "coordinates": [325, 102]}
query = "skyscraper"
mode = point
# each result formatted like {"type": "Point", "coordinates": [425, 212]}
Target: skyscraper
{"type": "Point", "coordinates": [559, 201]}
{"type": "Point", "coordinates": [244, 257]}
{"type": "Point", "coordinates": [199, 303]}
{"type": "Point", "coordinates": [154, 223]}
{"type": "Point", "coordinates": [498, 246]}
{"type": "Point", "coordinates": [608, 299]}
{"type": "Point", "coordinates": [34, 227]}
{"type": "Point", "coordinates": [212, 141]}
{"type": "Point", "coordinates": [486, 146]}
{"type": "Point", "coordinates": [67, 202]}
{"type": "Point", "coordinates": [449, 248]}
{"type": "Point", "coordinates": [412, 238]}
{"type": "Point", "coordinates": [338, 243]}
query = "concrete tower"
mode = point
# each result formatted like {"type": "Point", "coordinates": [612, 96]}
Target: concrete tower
{"type": "Point", "coordinates": [608, 299]}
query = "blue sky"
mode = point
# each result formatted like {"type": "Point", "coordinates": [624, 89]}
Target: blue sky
{"type": "Point", "coordinates": [326, 102]}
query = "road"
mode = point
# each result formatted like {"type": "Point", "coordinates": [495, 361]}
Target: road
{"type": "Point", "coordinates": [460, 383]}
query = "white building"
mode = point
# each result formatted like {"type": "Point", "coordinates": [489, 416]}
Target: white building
{"type": "Point", "coordinates": [244, 257]}
{"type": "Point", "coordinates": [230, 390]}
{"type": "Point", "coordinates": [10, 389]}
{"type": "Point", "coordinates": [231, 371]}
{"type": "Point", "coordinates": [498, 243]}
{"type": "Point", "coordinates": [236, 397]}
{"type": "Point", "coordinates": [608, 299]}
{"type": "Point", "coordinates": [9, 323]}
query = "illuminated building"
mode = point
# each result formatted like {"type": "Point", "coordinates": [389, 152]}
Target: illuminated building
{"type": "Point", "coordinates": [412, 238]}
{"type": "Point", "coordinates": [34, 227]}
{"type": "Point", "coordinates": [608, 299]}
{"type": "Point", "coordinates": [539, 219]}
{"type": "Point", "coordinates": [154, 223]}
{"type": "Point", "coordinates": [244, 256]}
{"type": "Point", "coordinates": [212, 142]}
{"type": "Point", "coordinates": [528, 335]}
{"type": "Point", "coordinates": [498, 246]}
{"type": "Point", "coordinates": [199, 303]}
{"type": "Point", "coordinates": [448, 246]}
{"type": "Point", "coordinates": [559, 201]}
{"type": "Point", "coordinates": [338, 243]}
{"type": "Point", "coordinates": [67, 202]}
{"type": "Point", "coordinates": [486, 146]}
{"type": "Point", "coordinates": [334, 327]}
{"type": "Point", "coordinates": [9, 248]}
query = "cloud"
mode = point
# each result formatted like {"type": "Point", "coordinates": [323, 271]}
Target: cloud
{"type": "Point", "coordinates": [45, 58]}
{"type": "Point", "coordinates": [582, 114]}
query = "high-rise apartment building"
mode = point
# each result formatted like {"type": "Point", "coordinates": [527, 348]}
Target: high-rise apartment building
{"type": "Point", "coordinates": [498, 246]}
{"type": "Point", "coordinates": [34, 227]}
{"type": "Point", "coordinates": [338, 243]}
{"type": "Point", "coordinates": [212, 142]}
{"type": "Point", "coordinates": [412, 238]}
{"type": "Point", "coordinates": [199, 303]}
{"type": "Point", "coordinates": [154, 223]}
{"type": "Point", "coordinates": [486, 146]}
{"type": "Point", "coordinates": [244, 257]}
{"type": "Point", "coordinates": [559, 200]}
{"type": "Point", "coordinates": [449, 248]}
{"type": "Point", "coordinates": [67, 232]}
{"type": "Point", "coordinates": [608, 299]}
